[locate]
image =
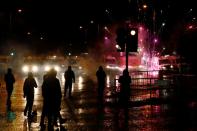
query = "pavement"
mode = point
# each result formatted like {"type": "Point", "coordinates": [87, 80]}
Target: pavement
{"type": "Point", "coordinates": [83, 113]}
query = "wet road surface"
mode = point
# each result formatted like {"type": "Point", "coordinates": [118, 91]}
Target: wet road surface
{"type": "Point", "coordinates": [83, 113]}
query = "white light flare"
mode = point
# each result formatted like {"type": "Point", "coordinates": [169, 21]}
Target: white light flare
{"type": "Point", "coordinates": [133, 32]}
{"type": "Point", "coordinates": [25, 69]}
{"type": "Point", "coordinates": [34, 68]}
{"type": "Point", "coordinates": [47, 68]}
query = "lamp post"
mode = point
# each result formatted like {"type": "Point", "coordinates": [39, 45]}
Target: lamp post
{"type": "Point", "coordinates": [131, 43]}
{"type": "Point", "coordinates": [127, 40]}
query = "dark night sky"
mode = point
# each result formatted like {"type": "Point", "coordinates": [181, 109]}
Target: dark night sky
{"type": "Point", "coordinates": [58, 21]}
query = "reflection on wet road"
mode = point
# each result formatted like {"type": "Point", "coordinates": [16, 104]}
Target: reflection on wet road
{"type": "Point", "coordinates": [83, 112]}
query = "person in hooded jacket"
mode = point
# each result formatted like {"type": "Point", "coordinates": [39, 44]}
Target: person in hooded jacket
{"type": "Point", "coordinates": [52, 97]}
{"type": "Point", "coordinates": [125, 91]}
{"type": "Point", "coordinates": [101, 80]}
{"type": "Point", "coordinates": [28, 93]}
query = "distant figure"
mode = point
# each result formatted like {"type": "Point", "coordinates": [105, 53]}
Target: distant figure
{"type": "Point", "coordinates": [69, 76]}
{"type": "Point", "coordinates": [9, 80]}
{"type": "Point", "coordinates": [52, 98]}
{"type": "Point", "coordinates": [101, 80]}
{"type": "Point", "coordinates": [125, 90]}
{"type": "Point", "coordinates": [28, 91]}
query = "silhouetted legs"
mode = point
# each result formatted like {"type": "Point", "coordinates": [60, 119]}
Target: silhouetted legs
{"type": "Point", "coordinates": [9, 92]}
{"type": "Point", "coordinates": [29, 106]}
{"type": "Point", "coordinates": [68, 86]}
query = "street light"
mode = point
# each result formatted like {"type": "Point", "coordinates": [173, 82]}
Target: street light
{"type": "Point", "coordinates": [133, 32]}
{"type": "Point", "coordinates": [127, 38]}
{"type": "Point", "coordinates": [19, 10]}
{"type": "Point", "coordinates": [132, 40]}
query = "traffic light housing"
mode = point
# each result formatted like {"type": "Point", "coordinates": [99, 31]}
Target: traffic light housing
{"type": "Point", "coordinates": [132, 40]}
{"type": "Point", "coordinates": [121, 39]}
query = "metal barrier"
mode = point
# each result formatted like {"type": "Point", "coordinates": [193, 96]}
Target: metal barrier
{"type": "Point", "coordinates": [146, 85]}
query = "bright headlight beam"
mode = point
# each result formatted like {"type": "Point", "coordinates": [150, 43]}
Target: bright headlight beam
{"type": "Point", "coordinates": [47, 68]}
{"type": "Point", "coordinates": [57, 68]}
{"type": "Point", "coordinates": [35, 68]}
{"type": "Point", "coordinates": [25, 68]}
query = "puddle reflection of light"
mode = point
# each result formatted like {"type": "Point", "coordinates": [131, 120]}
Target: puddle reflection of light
{"type": "Point", "coordinates": [108, 100]}
{"type": "Point", "coordinates": [108, 81]}
{"type": "Point", "coordinates": [117, 77]}
{"type": "Point", "coordinates": [141, 97]}
{"type": "Point", "coordinates": [156, 109]}
{"type": "Point", "coordinates": [147, 111]}
{"type": "Point", "coordinates": [85, 110]}
{"type": "Point", "coordinates": [36, 90]}
{"type": "Point", "coordinates": [145, 96]}
{"type": "Point", "coordinates": [140, 78]}
{"type": "Point", "coordinates": [81, 101]}
{"type": "Point", "coordinates": [80, 85]}
{"type": "Point", "coordinates": [80, 110]}
{"type": "Point", "coordinates": [62, 78]}
{"type": "Point", "coordinates": [108, 93]}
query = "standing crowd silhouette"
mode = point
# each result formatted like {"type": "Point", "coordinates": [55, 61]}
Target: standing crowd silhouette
{"type": "Point", "coordinates": [52, 95]}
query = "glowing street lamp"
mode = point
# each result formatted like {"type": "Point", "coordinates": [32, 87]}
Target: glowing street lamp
{"type": "Point", "coordinates": [19, 10]}
{"type": "Point", "coordinates": [145, 6]}
{"type": "Point", "coordinates": [132, 32]}
{"type": "Point", "coordinates": [132, 40]}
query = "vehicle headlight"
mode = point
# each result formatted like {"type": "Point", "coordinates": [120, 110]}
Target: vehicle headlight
{"type": "Point", "coordinates": [108, 66]}
{"type": "Point", "coordinates": [57, 68]}
{"type": "Point", "coordinates": [25, 68]}
{"type": "Point", "coordinates": [47, 68]}
{"type": "Point", "coordinates": [35, 68]}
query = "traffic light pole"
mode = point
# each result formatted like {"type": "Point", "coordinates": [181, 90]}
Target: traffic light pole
{"type": "Point", "coordinates": [127, 40]}
{"type": "Point", "coordinates": [127, 57]}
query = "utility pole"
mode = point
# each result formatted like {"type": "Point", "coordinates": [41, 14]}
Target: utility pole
{"type": "Point", "coordinates": [127, 57]}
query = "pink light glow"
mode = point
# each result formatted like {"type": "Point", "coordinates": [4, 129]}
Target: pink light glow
{"type": "Point", "coordinates": [190, 27]}
{"type": "Point", "coordinates": [141, 28]}
{"type": "Point", "coordinates": [155, 40]}
{"type": "Point", "coordinates": [146, 56]}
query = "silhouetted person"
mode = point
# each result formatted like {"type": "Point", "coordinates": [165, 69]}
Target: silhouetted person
{"type": "Point", "coordinates": [125, 90]}
{"type": "Point", "coordinates": [28, 93]}
{"type": "Point", "coordinates": [52, 97]}
{"type": "Point", "coordinates": [44, 106]}
{"type": "Point", "coordinates": [101, 80]}
{"type": "Point", "coordinates": [69, 76]}
{"type": "Point", "coordinates": [9, 80]}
